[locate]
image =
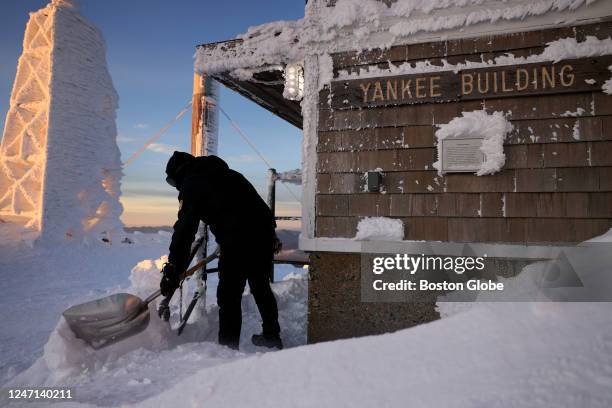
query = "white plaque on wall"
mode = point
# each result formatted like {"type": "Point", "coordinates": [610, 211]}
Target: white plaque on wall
{"type": "Point", "coordinates": [462, 154]}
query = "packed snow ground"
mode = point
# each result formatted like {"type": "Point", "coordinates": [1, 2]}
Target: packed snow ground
{"type": "Point", "coordinates": [41, 282]}
{"type": "Point", "coordinates": [38, 284]}
{"type": "Point", "coordinates": [494, 355]}
{"type": "Point", "coordinates": [479, 354]}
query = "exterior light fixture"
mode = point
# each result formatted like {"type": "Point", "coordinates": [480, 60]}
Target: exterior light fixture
{"type": "Point", "coordinates": [294, 82]}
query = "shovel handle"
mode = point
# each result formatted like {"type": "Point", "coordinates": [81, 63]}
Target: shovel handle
{"type": "Point", "coordinates": [187, 273]}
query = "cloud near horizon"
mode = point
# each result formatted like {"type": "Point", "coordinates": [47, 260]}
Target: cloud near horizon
{"type": "Point", "coordinates": [243, 158]}
{"type": "Point", "coordinates": [158, 209]}
{"type": "Point", "coordinates": [162, 148]}
{"type": "Point", "coordinates": [125, 139]}
{"type": "Point", "coordinates": [148, 210]}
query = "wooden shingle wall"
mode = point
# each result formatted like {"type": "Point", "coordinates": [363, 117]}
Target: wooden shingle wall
{"type": "Point", "coordinates": [553, 187]}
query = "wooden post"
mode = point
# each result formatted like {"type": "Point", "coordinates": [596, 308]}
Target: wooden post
{"type": "Point", "coordinates": [204, 115]}
{"type": "Point", "coordinates": [197, 114]}
{"type": "Point", "coordinates": [198, 109]}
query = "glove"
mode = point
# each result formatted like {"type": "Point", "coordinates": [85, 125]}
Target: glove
{"type": "Point", "coordinates": [277, 245]}
{"type": "Point", "coordinates": [170, 280]}
{"type": "Point", "coordinates": [163, 310]}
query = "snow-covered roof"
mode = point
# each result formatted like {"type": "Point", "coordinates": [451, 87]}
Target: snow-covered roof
{"type": "Point", "coordinates": [349, 25]}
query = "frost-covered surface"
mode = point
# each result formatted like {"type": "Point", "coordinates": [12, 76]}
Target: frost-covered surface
{"type": "Point", "coordinates": [564, 48]}
{"type": "Point", "coordinates": [310, 115]}
{"type": "Point", "coordinates": [363, 25]}
{"type": "Point", "coordinates": [576, 113]}
{"type": "Point", "coordinates": [291, 176]}
{"type": "Point", "coordinates": [59, 161]}
{"type": "Point", "coordinates": [207, 143]}
{"type": "Point", "coordinates": [380, 229]}
{"type": "Point", "coordinates": [491, 127]}
{"type": "Point", "coordinates": [356, 25]}
{"type": "Point", "coordinates": [607, 237]}
{"type": "Point", "coordinates": [502, 354]}
{"type": "Point", "coordinates": [22, 169]}
{"type": "Point", "coordinates": [157, 359]}
{"type": "Point", "coordinates": [40, 282]}
{"type": "Point", "coordinates": [576, 131]}
{"type": "Point", "coordinates": [607, 86]}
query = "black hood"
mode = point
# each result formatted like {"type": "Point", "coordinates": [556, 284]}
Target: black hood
{"type": "Point", "coordinates": [180, 163]}
{"type": "Point", "coordinates": [210, 164]}
{"type": "Point", "coordinates": [175, 169]}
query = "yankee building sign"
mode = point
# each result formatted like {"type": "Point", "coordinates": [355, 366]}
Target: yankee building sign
{"type": "Point", "coordinates": [577, 75]}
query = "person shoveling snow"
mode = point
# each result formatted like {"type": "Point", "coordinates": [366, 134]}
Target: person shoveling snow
{"type": "Point", "coordinates": [244, 228]}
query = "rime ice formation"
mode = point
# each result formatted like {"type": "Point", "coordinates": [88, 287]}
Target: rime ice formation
{"type": "Point", "coordinates": [607, 86]}
{"type": "Point", "coordinates": [492, 128]}
{"type": "Point", "coordinates": [363, 24]}
{"type": "Point", "coordinates": [564, 48]}
{"type": "Point", "coordinates": [380, 229]}
{"type": "Point", "coordinates": [59, 161]}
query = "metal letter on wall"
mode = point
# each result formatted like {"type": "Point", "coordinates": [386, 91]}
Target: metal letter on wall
{"type": "Point", "coordinates": [543, 78]}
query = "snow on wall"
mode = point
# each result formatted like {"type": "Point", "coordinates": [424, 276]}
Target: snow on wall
{"type": "Point", "coordinates": [492, 128]}
{"type": "Point", "coordinates": [564, 48]}
{"type": "Point", "coordinates": [363, 24]}
{"type": "Point", "coordinates": [59, 160]}
{"type": "Point", "coordinates": [607, 237]}
{"type": "Point", "coordinates": [607, 86]}
{"type": "Point", "coordinates": [310, 114]}
{"type": "Point", "coordinates": [380, 229]}
{"type": "Point", "coordinates": [353, 25]}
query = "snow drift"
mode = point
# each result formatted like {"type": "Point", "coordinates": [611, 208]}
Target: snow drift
{"type": "Point", "coordinates": [479, 354]}
{"type": "Point", "coordinates": [492, 354]}
{"type": "Point", "coordinates": [68, 361]}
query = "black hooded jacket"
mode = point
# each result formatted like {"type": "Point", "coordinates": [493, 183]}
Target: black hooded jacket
{"type": "Point", "coordinates": [220, 197]}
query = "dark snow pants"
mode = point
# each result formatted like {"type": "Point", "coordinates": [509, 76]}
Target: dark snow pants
{"type": "Point", "coordinates": [236, 267]}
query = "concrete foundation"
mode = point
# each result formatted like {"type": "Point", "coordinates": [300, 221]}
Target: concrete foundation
{"type": "Point", "coordinates": [335, 309]}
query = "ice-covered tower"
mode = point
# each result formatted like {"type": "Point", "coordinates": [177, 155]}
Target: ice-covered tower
{"type": "Point", "coordinates": [59, 161]}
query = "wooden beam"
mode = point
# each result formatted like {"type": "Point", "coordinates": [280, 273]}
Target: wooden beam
{"type": "Point", "coordinates": [269, 97]}
{"type": "Point", "coordinates": [197, 110]}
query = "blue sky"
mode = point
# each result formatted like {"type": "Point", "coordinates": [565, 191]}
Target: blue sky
{"type": "Point", "coordinates": [150, 47]}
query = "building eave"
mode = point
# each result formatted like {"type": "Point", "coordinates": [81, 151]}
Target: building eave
{"type": "Point", "coordinates": [265, 88]}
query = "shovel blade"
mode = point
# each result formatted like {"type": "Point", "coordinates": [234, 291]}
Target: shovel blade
{"type": "Point", "coordinates": [105, 321]}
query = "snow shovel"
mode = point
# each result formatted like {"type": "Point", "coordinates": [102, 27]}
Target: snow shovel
{"type": "Point", "coordinates": [105, 321]}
